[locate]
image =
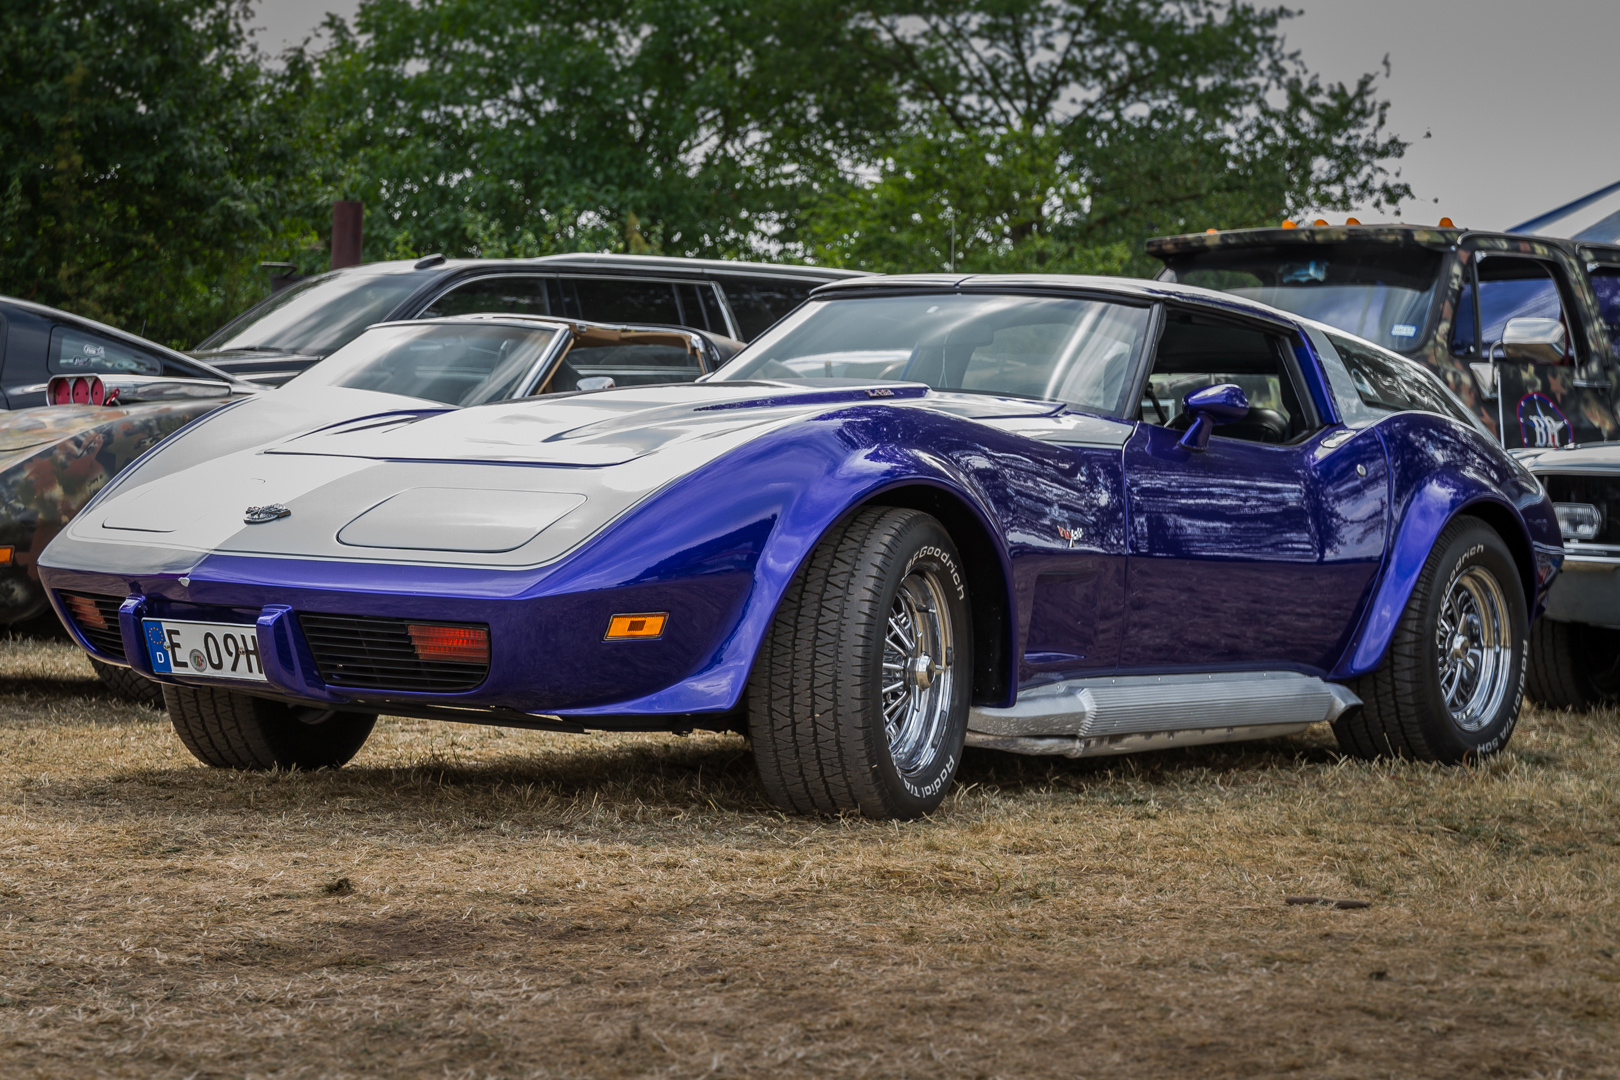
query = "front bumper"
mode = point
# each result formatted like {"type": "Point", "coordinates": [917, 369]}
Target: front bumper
{"type": "Point", "coordinates": [548, 657]}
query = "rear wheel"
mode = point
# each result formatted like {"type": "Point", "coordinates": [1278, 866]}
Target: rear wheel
{"type": "Point", "coordinates": [859, 695]}
{"type": "Point", "coordinates": [129, 685]}
{"type": "Point", "coordinates": [1573, 666]}
{"type": "Point", "coordinates": [1451, 686]}
{"type": "Point", "coordinates": [234, 731]}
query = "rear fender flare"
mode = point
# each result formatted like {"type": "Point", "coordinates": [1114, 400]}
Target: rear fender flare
{"type": "Point", "coordinates": [1442, 498]}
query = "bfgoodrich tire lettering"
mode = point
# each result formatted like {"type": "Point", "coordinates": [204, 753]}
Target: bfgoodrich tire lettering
{"type": "Point", "coordinates": [859, 696]}
{"type": "Point", "coordinates": [234, 731]}
{"type": "Point", "coordinates": [1457, 698]}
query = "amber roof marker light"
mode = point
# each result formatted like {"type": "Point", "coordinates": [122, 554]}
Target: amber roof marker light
{"type": "Point", "coordinates": [1446, 223]}
{"type": "Point", "coordinates": [646, 626]}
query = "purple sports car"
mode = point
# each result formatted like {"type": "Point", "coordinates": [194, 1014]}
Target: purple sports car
{"type": "Point", "coordinates": [1050, 515]}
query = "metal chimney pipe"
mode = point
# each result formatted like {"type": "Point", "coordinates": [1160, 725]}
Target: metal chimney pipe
{"type": "Point", "coordinates": [347, 219]}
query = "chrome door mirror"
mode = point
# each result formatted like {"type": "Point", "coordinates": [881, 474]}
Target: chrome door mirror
{"type": "Point", "coordinates": [596, 382]}
{"type": "Point", "coordinates": [1534, 341]}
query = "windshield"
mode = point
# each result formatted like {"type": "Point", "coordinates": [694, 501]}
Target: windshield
{"type": "Point", "coordinates": [1378, 292]}
{"type": "Point", "coordinates": [317, 316]}
{"type": "Point", "coordinates": [458, 364]}
{"type": "Point", "coordinates": [1077, 351]}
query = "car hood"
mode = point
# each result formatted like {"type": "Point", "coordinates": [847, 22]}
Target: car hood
{"type": "Point", "coordinates": [513, 484]}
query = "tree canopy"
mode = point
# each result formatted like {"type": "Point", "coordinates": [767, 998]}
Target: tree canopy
{"type": "Point", "coordinates": [153, 155]}
{"type": "Point", "coordinates": [146, 158]}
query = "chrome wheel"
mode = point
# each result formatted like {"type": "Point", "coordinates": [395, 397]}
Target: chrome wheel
{"type": "Point", "coordinates": [918, 654]}
{"type": "Point", "coordinates": [1474, 645]}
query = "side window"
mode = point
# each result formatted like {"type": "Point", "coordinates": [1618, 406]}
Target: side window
{"type": "Point", "coordinates": [628, 363]}
{"type": "Point", "coordinates": [75, 352]}
{"type": "Point", "coordinates": [516, 295]}
{"type": "Point", "coordinates": [606, 299]}
{"type": "Point", "coordinates": [1606, 283]}
{"type": "Point", "coordinates": [756, 303]}
{"type": "Point", "coordinates": [1514, 288]}
{"type": "Point", "coordinates": [1195, 353]}
{"type": "Point", "coordinates": [1386, 381]}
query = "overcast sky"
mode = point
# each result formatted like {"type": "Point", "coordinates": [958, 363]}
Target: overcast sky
{"type": "Point", "coordinates": [1512, 95]}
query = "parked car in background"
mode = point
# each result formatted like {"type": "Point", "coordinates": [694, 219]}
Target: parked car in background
{"type": "Point", "coordinates": [53, 460]}
{"type": "Point", "coordinates": [1525, 330]}
{"type": "Point", "coordinates": [120, 396]}
{"type": "Point", "coordinates": [273, 341]}
{"type": "Point", "coordinates": [38, 342]}
{"type": "Point", "coordinates": [1049, 515]}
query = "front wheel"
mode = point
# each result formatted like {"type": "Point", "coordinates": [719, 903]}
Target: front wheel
{"type": "Point", "coordinates": [859, 696]}
{"type": "Point", "coordinates": [235, 731]}
{"type": "Point", "coordinates": [1451, 686]}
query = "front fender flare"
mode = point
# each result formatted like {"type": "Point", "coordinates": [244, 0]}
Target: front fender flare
{"type": "Point", "coordinates": [813, 484]}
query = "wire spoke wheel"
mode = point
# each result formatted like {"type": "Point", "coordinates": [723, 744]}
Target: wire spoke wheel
{"type": "Point", "coordinates": [917, 658]}
{"type": "Point", "coordinates": [1473, 639]}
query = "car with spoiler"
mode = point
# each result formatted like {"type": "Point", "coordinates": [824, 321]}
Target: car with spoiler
{"type": "Point", "coordinates": [1524, 329]}
{"type": "Point", "coordinates": [54, 459]}
{"type": "Point", "coordinates": [1048, 515]}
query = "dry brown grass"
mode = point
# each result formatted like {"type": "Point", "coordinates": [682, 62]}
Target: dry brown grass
{"type": "Point", "coordinates": [480, 902]}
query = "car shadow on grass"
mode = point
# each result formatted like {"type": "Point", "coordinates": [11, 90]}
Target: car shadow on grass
{"type": "Point", "coordinates": [572, 778]}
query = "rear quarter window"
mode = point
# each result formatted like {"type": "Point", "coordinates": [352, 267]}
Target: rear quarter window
{"type": "Point", "coordinates": [76, 352]}
{"type": "Point", "coordinates": [1395, 384]}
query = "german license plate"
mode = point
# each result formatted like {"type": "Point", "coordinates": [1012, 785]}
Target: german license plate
{"type": "Point", "coordinates": [218, 650]}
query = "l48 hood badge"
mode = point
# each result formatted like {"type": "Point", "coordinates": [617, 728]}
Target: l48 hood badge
{"type": "Point", "coordinates": [258, 515]}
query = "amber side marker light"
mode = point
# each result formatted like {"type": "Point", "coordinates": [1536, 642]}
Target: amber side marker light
{"type": "Point", "coordinates": [6, 555]}
{"type": "Point", "coordinates": [458, 644]}
{"type": "Point", "coordinates": [637, 627]}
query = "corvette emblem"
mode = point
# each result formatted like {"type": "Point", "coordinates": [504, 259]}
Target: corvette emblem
{"type": "Point", "coordinates": [1071, 535]}
{"type": "Point", "coordinates": [258, 515]}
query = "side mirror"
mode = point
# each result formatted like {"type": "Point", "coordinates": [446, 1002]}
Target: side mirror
{"type": "Point", "coordinates": [1534, 341]}
{"type": "Point", "coordinates": [1222, 404]}
{"type": "Point", "coordinates": [596, 382]}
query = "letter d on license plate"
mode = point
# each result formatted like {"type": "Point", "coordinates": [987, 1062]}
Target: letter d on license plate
{"type": "Point", "coordinates": [217, 650]}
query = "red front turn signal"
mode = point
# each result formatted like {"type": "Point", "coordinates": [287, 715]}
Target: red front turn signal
{"type": "Point", "coordinates": [458, 644]}
{"type": "Point", "coordinates": [637, 627]}
{"type": "Point", "coordinates": [85, 613]}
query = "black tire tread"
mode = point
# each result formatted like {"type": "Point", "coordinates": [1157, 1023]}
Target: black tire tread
{"type": "Point", "coordinates": [229, 730]}
{"type": "Point", "coordinates": [805, 697]}
{"type": "Point", "coordinates": [128, 684]}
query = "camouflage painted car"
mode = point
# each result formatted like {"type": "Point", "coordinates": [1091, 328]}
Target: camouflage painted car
{"type": "Point", "coordinates": [53, 459]}
{"type": "Point", "coordinates": [1525, 330]}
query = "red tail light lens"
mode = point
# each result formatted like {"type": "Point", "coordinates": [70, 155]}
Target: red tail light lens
{"type": "Point", "coordinates": [85, 613]}
{"type": "Point", "coordinates": [459, 644]}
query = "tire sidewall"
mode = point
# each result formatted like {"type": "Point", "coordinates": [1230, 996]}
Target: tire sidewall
{"type": "Point", "coordinates": [923, 545]}
{"type": "Point", "coordinates": [1473, 545]}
